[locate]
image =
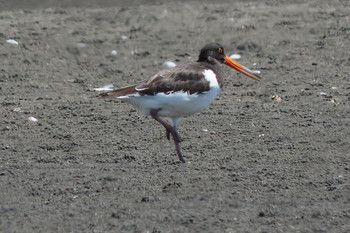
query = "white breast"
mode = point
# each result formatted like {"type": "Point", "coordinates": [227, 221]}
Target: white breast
{"type": "Point", "coordinates": [176, 104]}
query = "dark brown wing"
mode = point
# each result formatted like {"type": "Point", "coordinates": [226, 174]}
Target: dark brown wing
{"type": "Point", "coordinates": [187, 78]}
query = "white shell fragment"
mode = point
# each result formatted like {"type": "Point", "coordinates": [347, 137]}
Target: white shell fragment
{"type": "Point", "coordinates": [32, 119]}
{"type": "Point", "coordinates": [235, 56]}
{"type": "Point", "coordinates": [18, 109]}
{"type": "Point", "coordinates": [169, 64]}
{"type": "Point", "coordinates": [114, 52]}
{"type": "Point", "coordinates": [335, 101]}
{"type": "Point", "coordinates": [81, 45]}
{"type": "Point", "coordinates": [322, 93]}
{"type": "Point", "coordinates": [108, 87]}
{"type": "Point", "coordinates": [256, 71]}
{"type": "Point", "coordinates": [276, 98]}
{"type": "Point", "coordinates": [11, 41]}
{"type": "Point", "coordinates": [124, 37]}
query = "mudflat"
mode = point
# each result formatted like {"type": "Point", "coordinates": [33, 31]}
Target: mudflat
{"type": "Point", "coordinates": [268, 156]}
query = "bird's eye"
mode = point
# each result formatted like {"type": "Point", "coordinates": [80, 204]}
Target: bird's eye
{"type": "Point", "coordinates": [220, 50]}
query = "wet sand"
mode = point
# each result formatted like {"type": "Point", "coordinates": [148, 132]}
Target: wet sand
{"type": "Point", "coordinates": [269, 156]}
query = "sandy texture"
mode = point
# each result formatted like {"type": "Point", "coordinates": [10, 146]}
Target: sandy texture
{"type": "Point", "coordinates": [256, 163]}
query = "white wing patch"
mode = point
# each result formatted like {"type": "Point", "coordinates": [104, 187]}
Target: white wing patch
{"type": "Point", "coordinates": [210, 76]}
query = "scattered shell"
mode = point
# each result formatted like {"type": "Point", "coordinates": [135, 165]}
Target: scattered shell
{"type": "Point", "coordinates": [169, 64]}
{"type": "Point", "coordinates": [276, 98]}
{"type": "Point", "coordinates": [254, 64]}
{"type": "Point", "coordinates": [114, 52]}
{"type": "Point", "coordinates": [235, 56]}
{"type": "Point", "coordinates": [261, 135]}
{"type": "Point", "coordinates": [124, 37]}
{"type": "Point", "coordinates": [18, 109]}
{"type": "Point", "coordinates": [81, 45]}
{"type": "Point", "coordinates": [333, 88]}
{"type": "Point", "coordinates": [11, 41]}
{"type": "Point", "coordinates": [209, 131]}
{"type": "Point", "coordinates": [256, 71]}
{"type": "Point", "coordinates": [322, 93]}
{"type": "Point", "coordinates": [108, 87]}
{"type": "Point", "coordinates": [334, 101]}
{"type": "Point", "coordinates": [32, 119]}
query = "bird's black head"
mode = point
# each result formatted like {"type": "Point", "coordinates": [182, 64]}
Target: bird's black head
{"type": "Point", "coordinates": [211, 51]}
{"type": "Point", "coordinates": [214, 52]}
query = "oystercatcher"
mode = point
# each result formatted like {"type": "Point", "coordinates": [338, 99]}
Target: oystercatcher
{"type": "Point", "coordinates": [182, 90]}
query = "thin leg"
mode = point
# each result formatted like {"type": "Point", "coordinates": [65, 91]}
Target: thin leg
{"type": "Point", "coordinates": [168, 134]}
{"type": "Point", "coordinates": [169, 130]}
{"type": "Point", "coordinates": [174, 122]}
{"type": "Point", "coordinates": [178, 151]}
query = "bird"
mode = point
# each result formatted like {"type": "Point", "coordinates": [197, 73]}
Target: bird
{"type": "Point", "coordinates": [180, 91]}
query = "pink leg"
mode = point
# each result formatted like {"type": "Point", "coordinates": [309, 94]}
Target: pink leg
{"type": "Point", "coordinates": [169, 130]}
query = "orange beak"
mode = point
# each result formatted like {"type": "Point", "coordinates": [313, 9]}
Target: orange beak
{"type": "Point", "coordinates": [231, 63]}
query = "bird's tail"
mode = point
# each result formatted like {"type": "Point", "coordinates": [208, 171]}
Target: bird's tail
{"type": "Point", "coordinates": [119, 92]}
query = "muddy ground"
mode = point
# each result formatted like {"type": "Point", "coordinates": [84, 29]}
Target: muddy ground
{"type": "Point", "coordinates": [255, 163]}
